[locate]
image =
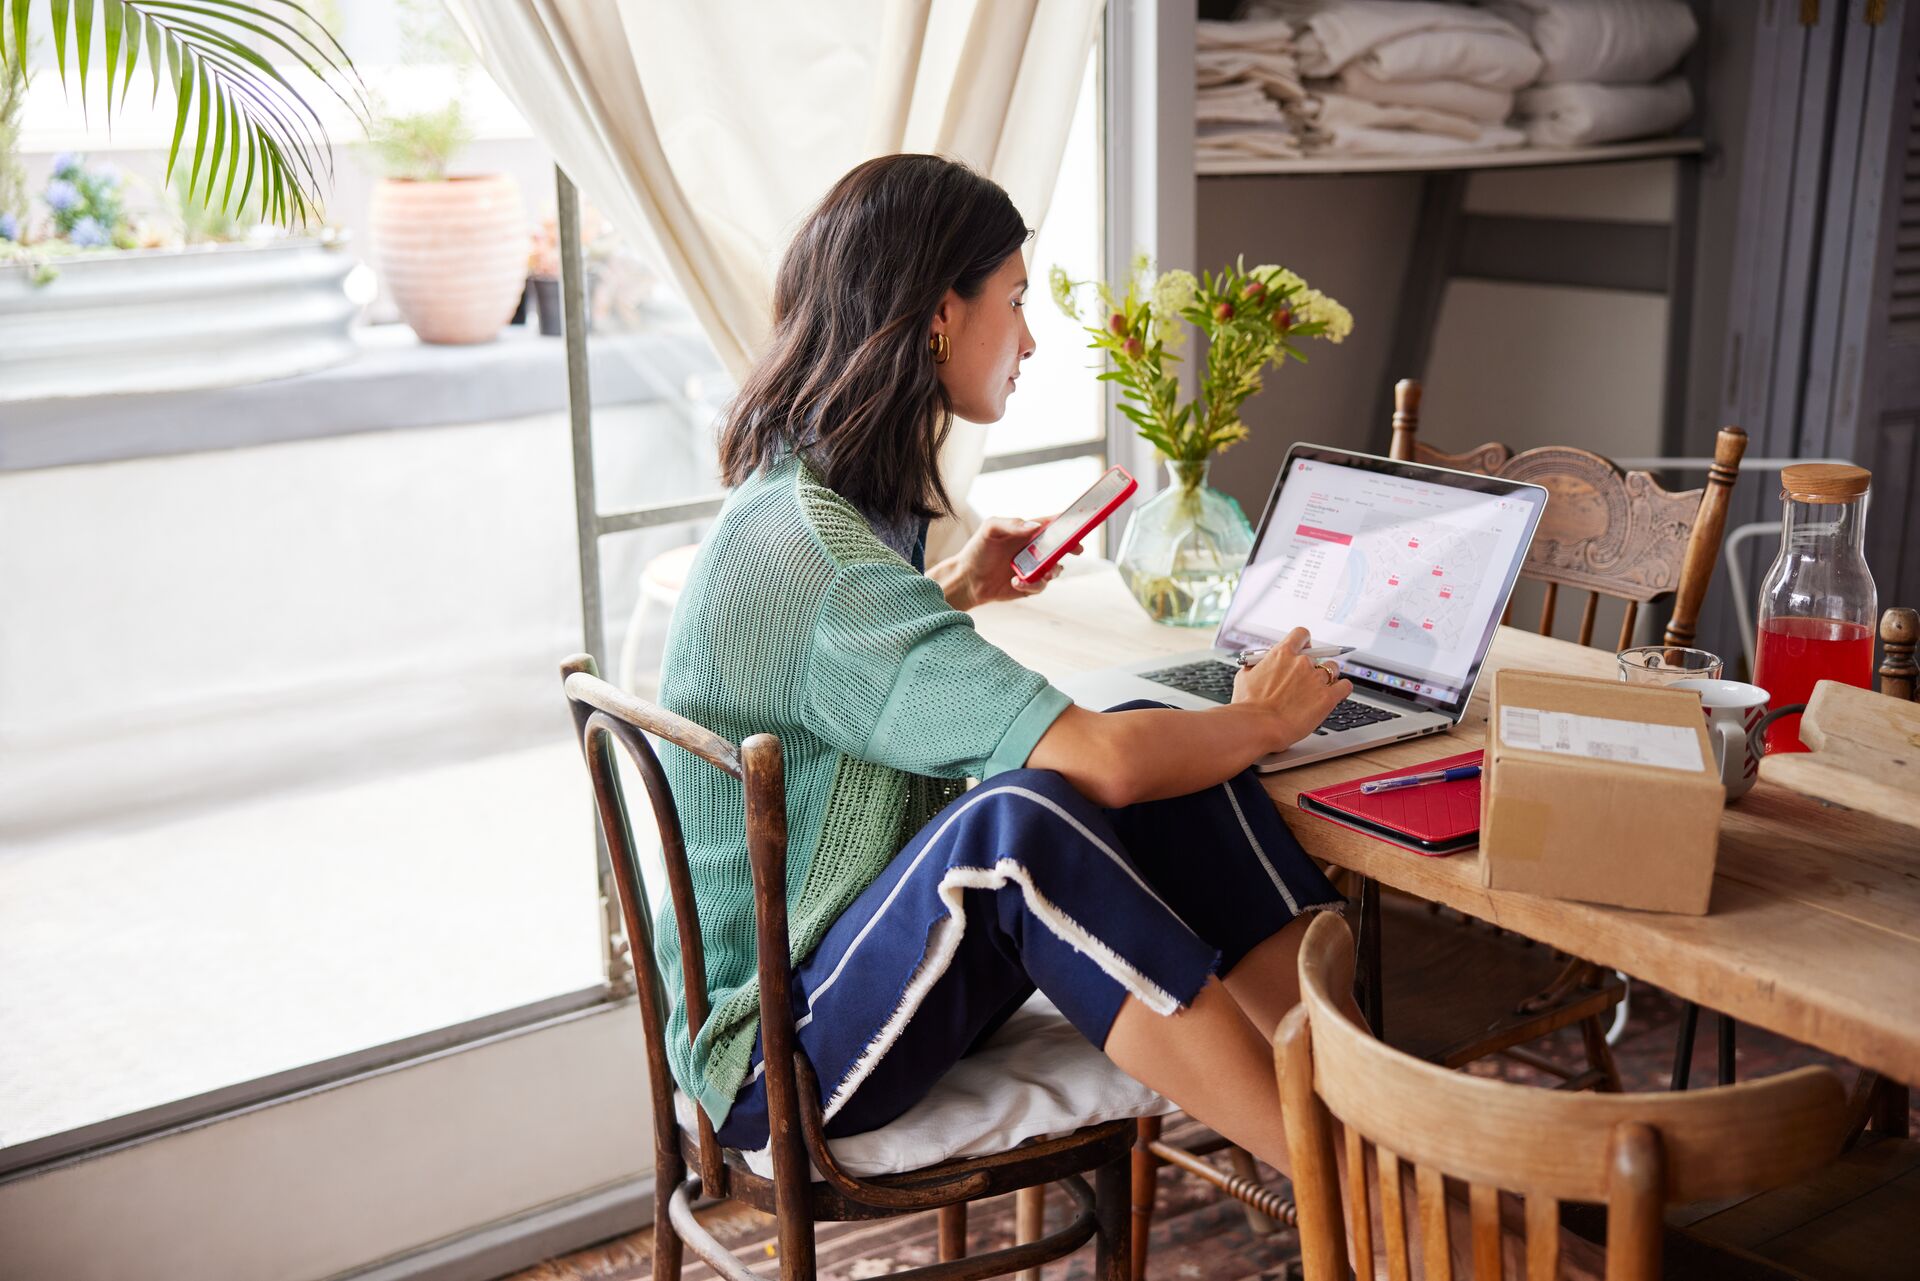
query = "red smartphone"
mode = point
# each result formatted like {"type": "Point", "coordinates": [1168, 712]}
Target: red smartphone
{"type": "Point", "coordinates": [1075, 523]}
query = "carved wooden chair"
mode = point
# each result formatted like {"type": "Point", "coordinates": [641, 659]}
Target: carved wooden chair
{"type": "Point", "coordinates": [1608, 533]}
{"type": "Point", "coordinates": [604, 715]}
{"type": "Point", "coordinates": [1401, 1126]}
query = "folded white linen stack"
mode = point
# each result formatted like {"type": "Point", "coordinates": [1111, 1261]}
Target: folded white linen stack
{"type": "Point", "coordinates": [1585, 115]}
{"type": "Point", "coordinates": [1410, 77]}
{"type": "Point", "coordinates": [1405, 41]}
{"type": "Point", "coordinates": [1455, 97]}
{"type": "Point", "coordinates": [1598, 57]}
{"type": "Point", "coordinates": [1243, 72]}
{"type": "Point", "coordinates": [1259, 53]}
{"type": "Point", "coordinates": [1603, 41]}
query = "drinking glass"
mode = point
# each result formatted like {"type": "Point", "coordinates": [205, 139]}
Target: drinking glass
{"type": "Point", "coordinates": [1665, 664]}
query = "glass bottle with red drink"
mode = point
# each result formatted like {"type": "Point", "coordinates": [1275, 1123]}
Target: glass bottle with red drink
{"type": "Point", "coordinates": [1817, 603]}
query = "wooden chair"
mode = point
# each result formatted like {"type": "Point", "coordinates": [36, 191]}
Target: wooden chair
{"type": "Point", "coordinates": [1899, 673]}
{"type": "Point", "coordinates": [1425, 1126]}
{"type": "Point", "coordinates": [603, 715]}
{"type": "Point", "coordinates": [1606, 531]}
{"type": "Point", "coordinates": [1609, 533]}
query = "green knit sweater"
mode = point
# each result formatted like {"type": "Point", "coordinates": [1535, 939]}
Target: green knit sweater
{"type": "Point", "coordinates": [796, 620]}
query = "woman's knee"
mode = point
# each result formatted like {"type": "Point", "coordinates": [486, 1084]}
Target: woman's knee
{"type": "Point", "coordinates": [1038, 815]}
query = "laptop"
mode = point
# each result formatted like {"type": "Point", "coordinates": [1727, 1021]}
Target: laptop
{"type": "Point", "coordinates": [1411, 565]}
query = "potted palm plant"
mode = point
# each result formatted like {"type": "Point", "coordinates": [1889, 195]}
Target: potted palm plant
{"type": "Point", "coordinates": [250, 131]}
{"type": "Point", "coordinates": [450, 249]}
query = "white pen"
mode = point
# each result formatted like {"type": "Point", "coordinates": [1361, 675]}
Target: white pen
{"type": "Point", "coordinates": [1248, 657]}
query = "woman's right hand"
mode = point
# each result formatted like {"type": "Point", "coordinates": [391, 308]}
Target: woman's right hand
{"type": "Point", "coordinates": [1297, 692]}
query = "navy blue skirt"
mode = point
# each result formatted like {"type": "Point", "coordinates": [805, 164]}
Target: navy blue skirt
{"type": "Point", "coordinates": [1024, 883]}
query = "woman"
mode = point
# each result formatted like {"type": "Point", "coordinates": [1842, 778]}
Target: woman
{"type": "Point", "coordinates": [1126, 863]}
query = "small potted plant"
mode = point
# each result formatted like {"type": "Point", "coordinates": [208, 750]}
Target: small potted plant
{"type": "Point", "coordinates": [449, 247]}
{"type": "Point", "coordinates": [1184, 549]}
{"type": "Point", "coordinates": [543, 265]}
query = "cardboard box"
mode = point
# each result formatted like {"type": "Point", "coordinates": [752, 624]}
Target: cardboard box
{"type": "Point", "coordinates": [1601, 791]}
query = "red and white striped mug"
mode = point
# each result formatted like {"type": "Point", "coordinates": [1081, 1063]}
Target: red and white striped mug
{"type": "Point", "coordinates": [1737, 719]}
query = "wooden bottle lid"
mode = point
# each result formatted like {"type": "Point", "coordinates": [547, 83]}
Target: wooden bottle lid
{"type": "Point", "coordinates": [1824, 482]}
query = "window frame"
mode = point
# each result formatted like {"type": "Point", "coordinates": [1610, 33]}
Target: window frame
{"type": "Point", "coordinates": [106, 1171]}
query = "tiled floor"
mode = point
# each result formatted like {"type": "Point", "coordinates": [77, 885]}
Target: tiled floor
{"type": "Point", "coordinates": [1196, 1234]}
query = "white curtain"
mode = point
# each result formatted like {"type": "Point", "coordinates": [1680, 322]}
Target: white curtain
{"type": "Point", "coordinates": [706, 131]}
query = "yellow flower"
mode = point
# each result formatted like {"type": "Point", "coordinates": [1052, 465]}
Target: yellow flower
{"type": "Point", "coordinates": [1315, 307]}
{"type": "Point", "coordinates": [1277, 279]}
{"type": "Point", "coordinates": [1062, 287]}
{"type": "Point", "coordinates": [1171, 292]}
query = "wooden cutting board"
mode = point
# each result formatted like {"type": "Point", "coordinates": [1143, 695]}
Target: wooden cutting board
{"type": "Point", "coordinates": [1864, 753]}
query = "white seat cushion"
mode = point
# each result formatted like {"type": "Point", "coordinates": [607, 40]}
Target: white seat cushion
{"type": "Point", "coordinates": [1037, 1078]}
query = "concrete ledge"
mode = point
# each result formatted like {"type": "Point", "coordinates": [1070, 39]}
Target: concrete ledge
{"type": "Point", "coordinates": [394, 381]}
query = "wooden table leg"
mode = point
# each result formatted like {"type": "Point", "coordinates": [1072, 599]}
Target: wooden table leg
{"type": "Point", "coordinates": [1890, 1109]}
{"type": "Point", "coordinates": [1367, 975]}
{"type": "Point", "coordinates": [1683, 1046]}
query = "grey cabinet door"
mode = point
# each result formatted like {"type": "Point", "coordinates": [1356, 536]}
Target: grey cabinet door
{"type": "Point", "coordinates": [1821, 357]}
{"type": "Point", "coordinates": [1862, 397]}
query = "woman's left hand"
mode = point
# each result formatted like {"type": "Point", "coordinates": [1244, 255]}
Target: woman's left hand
{"type": "Point", "coordinates": [982, 572]}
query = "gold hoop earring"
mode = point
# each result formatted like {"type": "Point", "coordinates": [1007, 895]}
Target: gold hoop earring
{"type": "Point", "coordinates": [940, 348]}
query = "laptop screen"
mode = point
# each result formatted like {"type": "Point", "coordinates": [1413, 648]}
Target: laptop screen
{"type": "Point", "coordinates": [1411, 565]}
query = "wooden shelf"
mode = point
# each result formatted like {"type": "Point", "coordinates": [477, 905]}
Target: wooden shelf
{"type": "Point", "coordinates": [1513, 158]}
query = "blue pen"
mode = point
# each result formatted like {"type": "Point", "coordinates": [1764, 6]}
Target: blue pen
{"type": "Point", "coordinates": [1419, 780]}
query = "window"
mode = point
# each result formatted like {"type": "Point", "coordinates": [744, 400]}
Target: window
{"type": "Point", "coordinates": [290, 792]}
{"type": "Point", "coordinates": [286, 794]}
{"type": "Point", "coordinates": [1052, 442]}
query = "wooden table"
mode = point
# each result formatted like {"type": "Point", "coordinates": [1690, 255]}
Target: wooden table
{"type": "Point", "coordinates": [1814, 931]}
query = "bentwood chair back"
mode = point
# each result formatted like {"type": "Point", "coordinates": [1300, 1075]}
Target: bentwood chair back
{"type": "Point", "coordinates": [603, 715]}
{"type": "Point", "coordinates": [1408, 1127]}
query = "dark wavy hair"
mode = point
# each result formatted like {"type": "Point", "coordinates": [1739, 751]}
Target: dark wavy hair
{"type": "Point", "coordinates": [846, 380]}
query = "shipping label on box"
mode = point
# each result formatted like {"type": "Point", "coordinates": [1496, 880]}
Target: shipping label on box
{"type": "Point", "coordinates": [1600, 791]}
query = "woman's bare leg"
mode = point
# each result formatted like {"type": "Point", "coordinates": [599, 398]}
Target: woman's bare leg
{"type": "Point", "coordinates": [1266, 982]}
{"type": "Point", "coordinates": [1211, 1061]}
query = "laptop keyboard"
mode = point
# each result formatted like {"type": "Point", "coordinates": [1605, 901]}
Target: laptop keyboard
{"type": "Point", "coordinates": [1212, 679]}
{"type": "Point", "coordinates": [1209, 678]}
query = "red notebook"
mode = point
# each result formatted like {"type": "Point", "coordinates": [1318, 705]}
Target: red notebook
{"type": "Point", "coordinates": [1437, 818]}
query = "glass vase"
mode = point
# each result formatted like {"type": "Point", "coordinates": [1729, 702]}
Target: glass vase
{"type": "Point", "coordinates": [1184, 549]}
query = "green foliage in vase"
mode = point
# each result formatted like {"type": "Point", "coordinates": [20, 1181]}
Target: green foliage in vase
{"type": "Point", "coordinates": [250, 129]}
{"type": "Point", "coordinates": [1251, 318]}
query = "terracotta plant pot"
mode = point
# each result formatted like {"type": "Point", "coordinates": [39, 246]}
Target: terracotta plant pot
{"type": "Point", "coordinates": [452, 254]}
